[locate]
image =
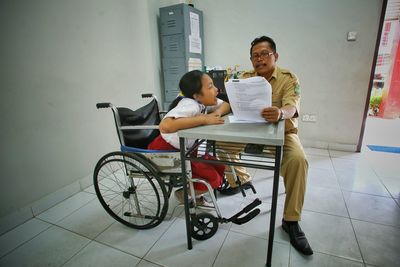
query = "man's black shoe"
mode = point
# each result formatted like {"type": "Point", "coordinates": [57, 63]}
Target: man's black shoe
{"type": "Point", "coordinates": [297, 237]}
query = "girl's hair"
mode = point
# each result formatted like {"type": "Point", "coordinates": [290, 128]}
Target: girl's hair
{"type": "Point", "coordinates": [189, 85]}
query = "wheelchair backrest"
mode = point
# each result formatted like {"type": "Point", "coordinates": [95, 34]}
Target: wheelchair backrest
{"type": "Point", "coordinates": [146, 115]}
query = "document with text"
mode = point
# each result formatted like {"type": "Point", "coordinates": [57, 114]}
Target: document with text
{"type": "Point", "coordinates": [248, 97]}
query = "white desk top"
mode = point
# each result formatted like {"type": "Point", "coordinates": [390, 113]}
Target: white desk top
{"type": "Point", "coordinates": [254, 133]}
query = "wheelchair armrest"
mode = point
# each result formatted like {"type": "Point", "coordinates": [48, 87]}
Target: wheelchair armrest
{"type": "Point", "coordinates": [139, 127]}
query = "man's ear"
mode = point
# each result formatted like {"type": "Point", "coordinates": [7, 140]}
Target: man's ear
{"type": "Point", "coordinates": [276, 56]}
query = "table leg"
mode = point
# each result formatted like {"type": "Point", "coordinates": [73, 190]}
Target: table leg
{"type": "Point", "coordinates": [185, 193]}
{"type": "Point", "coordinates": [273, 206]}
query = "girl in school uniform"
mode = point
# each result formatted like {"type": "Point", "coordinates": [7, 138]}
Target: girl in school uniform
{"type": "Point", "coordinates": [197, 105]}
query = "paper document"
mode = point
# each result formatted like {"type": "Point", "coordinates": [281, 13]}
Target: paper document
{"type": "Point", "coordinates": [248, 97]}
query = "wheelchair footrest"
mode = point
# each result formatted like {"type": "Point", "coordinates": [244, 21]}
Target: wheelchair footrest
{"type": "Point", "coordinates": [249, 209]}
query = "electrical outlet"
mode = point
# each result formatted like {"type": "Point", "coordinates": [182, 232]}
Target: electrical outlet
{"type": "Point", "coordinates": [309, 118]}
{"type": "Point", "coordinates": [313, 118]}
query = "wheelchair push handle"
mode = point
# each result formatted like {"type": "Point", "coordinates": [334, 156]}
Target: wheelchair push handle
{"type": "Point", "coordinates": [103, 105]}
{"type": "Point", "coordinates": [147, 95]}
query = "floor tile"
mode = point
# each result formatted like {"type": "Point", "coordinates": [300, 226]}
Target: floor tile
{"type": "Point", "coordinates": [319, 259]}
{"type": "Point", "coordinates": [65, 208]}
{"type": "Point", "coordinates": [316, 151]}
{"type": "Point", "coordinates": [263, 174]}
{"type": "Point", "coordinates": [52, 247]}
{"type": "Point", "coordinates": [90, 189]}
{"type": "Point", "coordinates": [374, 209]}
{"type": "Point", "coordinates": [259, 226]}
{"type": "Point", "coordinates": [89, 221]}
{"type": "Point", "coordinates": [319, 162]}
{"type": "Point", "coordinates": [379, 244]}
{"type": "Point", "coordinates": [144, 263]}
{"type": "Point", "coordinates": [385, 164]}
{"type": "Point", "coordinates": [244, 250]}
{"type": "Point", "coordinates": [264, 190]}
{"type": "Point", "coordinates": [322, 178]}
{"type": "Point", "coordinates": [21, 234]}
{"type": "Point", "coordinates": [171, 250]}
{"type": "Point", "coordinates": [392, 185]}
{"type": "Point", "coordinates": [362, 181]}
{"type": "Point", "coordinates": [330, 234]}
{"type": "Point", "coordinates": [344, 154]}
{"type": "Point", "coordinates": [132, 241]}
{"type": "Point", "coordinates": [325, 200]}
{"type": "Point", "coordinates": [351, 164]}
{"type": "Point", "coordinates": [96, 254]}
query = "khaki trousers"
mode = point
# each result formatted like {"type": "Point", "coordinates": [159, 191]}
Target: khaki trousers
{"type": "Point", "coordinates": [294, 169]}
{"type": "Point", "coordinates": [231, 152]}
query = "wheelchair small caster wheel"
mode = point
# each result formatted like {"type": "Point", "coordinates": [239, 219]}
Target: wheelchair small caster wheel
{"type": "Point", "coordinates": [204, 226]}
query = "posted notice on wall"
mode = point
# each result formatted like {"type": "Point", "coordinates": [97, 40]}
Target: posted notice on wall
{"type": "Point", "coordinates": [194, 64]}
{"type": "Point", "coordinates": [248, 97]}
{"type": "Point", "coordinates": [194, 44]}
{"type": "Point", "coordinates": [194, 37]}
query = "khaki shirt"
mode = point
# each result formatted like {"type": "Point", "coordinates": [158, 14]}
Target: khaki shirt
{"type": "Point", "coordinates": [285, 91]}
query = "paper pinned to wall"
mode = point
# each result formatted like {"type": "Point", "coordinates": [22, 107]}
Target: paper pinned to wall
{"type": "Point", "coordinates": [194, 37]}
{"type": "Point", "coordinates": [194, 64]}
{"type": "Point", "coordinates": [194, 44]}
{"type": "Point", "coordinates": [194, 24]}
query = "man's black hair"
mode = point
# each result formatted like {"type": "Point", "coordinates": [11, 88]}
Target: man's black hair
{"type": "Point", "coordinates": [263, 39]}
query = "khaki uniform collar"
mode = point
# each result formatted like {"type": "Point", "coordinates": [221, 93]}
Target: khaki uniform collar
{"type": "Point", "coordinates": [274, 73]}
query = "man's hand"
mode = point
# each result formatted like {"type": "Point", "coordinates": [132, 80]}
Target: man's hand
{"type": "Point", "coordinates": [271, 114]}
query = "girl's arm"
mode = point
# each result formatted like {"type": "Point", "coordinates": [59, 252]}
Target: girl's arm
{"type": "Point", "coordinates": [223, 109]}
{"type": "Point", "coordinates": [172, 125]}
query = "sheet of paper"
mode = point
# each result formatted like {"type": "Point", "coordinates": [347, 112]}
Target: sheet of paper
{"type": "Point", "coordinates": [194, 24]}
{"type": "Point", "coordinates": [194, 44]}
{"type": "Point", "coordinates": [194, 64]}
{"type": "Point", "coordinates": [232, 119]}
{"type": "Point", "coordinates": [248, 97]}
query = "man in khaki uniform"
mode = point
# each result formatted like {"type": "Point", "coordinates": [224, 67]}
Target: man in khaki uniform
{"type": "Point", "coordinates": [285, 106]}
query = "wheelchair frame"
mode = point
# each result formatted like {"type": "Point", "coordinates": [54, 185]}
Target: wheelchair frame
{"type": "Point", "coordinates": [134, 185]}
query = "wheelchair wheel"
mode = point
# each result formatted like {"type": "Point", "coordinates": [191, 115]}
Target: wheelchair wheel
{"type": "Point", "coordinates": [204, 226]}
{"type": "Point", "coordinates": [130, 190]}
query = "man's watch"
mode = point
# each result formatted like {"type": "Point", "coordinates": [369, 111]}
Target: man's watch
{"type": "Point", "coordinates": [281, 114]}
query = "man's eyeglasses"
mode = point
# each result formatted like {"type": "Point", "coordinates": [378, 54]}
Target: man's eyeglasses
{"type": "Point", "coordinates": [262, 55]}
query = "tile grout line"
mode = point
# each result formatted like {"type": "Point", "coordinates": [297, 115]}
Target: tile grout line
{"type": "Point", "coordinates": [23, 243]}
{"type": "Point", "coordinates": [351, 222]}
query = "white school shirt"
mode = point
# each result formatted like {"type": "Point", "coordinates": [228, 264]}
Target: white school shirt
{"type": "Point", "coordinates": [186, 108]}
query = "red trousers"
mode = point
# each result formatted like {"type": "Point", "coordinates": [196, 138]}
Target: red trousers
{"type": "Point", "coordinates": [213, 173]}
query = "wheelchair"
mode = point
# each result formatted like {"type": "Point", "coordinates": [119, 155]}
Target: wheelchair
{"type": "Point", "coordinates": [134, 184]}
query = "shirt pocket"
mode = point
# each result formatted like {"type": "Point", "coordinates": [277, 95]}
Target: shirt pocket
{"type": "Point", "coordinates": [276, 101]}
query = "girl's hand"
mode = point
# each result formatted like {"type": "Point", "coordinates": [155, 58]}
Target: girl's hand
{"type": "Point", "coordinates": [212, 119]}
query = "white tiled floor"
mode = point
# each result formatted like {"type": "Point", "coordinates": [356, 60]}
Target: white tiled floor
{"type": "Point", "coordinates": [351, 217]}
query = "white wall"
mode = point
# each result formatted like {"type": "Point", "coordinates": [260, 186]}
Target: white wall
{"type": "Point", "coordinates": [311, 40]}
{"type": "Point", "coordinates": [58, 59]}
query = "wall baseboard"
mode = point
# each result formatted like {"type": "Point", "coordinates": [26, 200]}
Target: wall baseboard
{"type": "Point", "coordinates": [22, 215]}
{"type": "Point", "coordinates": [330, 146]}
